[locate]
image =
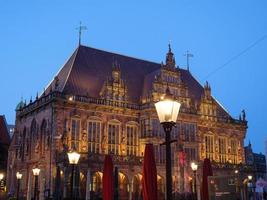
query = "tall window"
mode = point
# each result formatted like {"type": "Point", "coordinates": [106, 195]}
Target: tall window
{"type": "Point", "coordinates": [43, 137]}
{"type": "Point", "coordinates": [222, 150]}
{"type": "Point", "coordinates": [189, 132]}
{"type": "Point", "coordinates": [233, 151]}
{"type": "Point", "coordinates": [33, 137]}
{"type": "Point", "coordinates": [132, 140]}
{"type": "Point", "coordinates": [75, 133]}
{"type": "Point", "coordinates": [94, 136]}
{"type": "Point", "coordinates": [190, 154]}
{"type": "Point", "coordinates": [209, 146]}
{"type": "Point", "coordinates": [145, 128]}
{"type": "Point", "coordinates": [113, 138]}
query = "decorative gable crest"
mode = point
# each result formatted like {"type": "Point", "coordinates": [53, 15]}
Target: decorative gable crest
{"type": "Point", "coordinates": [114, 87]}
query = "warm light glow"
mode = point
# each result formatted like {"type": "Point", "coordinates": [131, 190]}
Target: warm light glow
{"type": "Point", "coordinates": [1, 176]}
{"type": "Point", "coordinates": [167, 110]}
{"type": "Point", "coordinates": [236, 171]}
{"type": "Point", "coordinates": [73, 157]}
{"type": "Point", "coordinates": [71, 98]}
{"type": "Point", "coordinates": [19, 175]}
{"type": "Point", "coordinates": [194, 166]}
{"type": "Point", "coordinates": [249, 177]}
{"type": "Point", "coordinates": [36, 171]}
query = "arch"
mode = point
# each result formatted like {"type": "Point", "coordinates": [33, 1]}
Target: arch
{"type": "Point", "coordinates": [96, 186]}
{"type": "Point", "coordinates": [137, 186]}
{"type": "Point", "coordinates": [123, 186]}
{"type": "Point", "coordinates": [96, 118]}
{"type": "Point", "coordinates": [160, 187]}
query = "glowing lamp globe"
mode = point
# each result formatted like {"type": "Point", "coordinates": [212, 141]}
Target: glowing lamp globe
{"type": "Point", "coordinates": [1, 176]}
{"type": "Point", "coordinates": [167, 108]}
{"type": "Point", "coordinates": [249, 177]}
{"type": "Point", "coordinates": [194, 166]}
{"type": "Point", "coordinates": [19, 175]}
{"type": "Point", "coordinates": [36, 171]}
{"type": "Point", "coordinates": [73, 157]}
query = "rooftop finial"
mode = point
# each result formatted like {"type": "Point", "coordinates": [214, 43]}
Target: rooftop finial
{"type": "Point", "coordinates": [188, 56]}
{"type": "Point", "coordinates": [81, 28]}
{"type": "Point", "coordinates": [170, 60]}
{"type": "Point", "coordinates": [170, 49]}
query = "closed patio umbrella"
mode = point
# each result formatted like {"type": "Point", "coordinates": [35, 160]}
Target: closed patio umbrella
{"type": "Point", "coordinates": [108, 179]}
{"type": "Point", "coordinates": [149, 180]}
{"type": "Point", "coordinates": [207, 171]}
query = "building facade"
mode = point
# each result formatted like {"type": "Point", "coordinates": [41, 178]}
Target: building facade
{"type": "Point", "coordinates": [4, 144]}
{"type": "Point", "coordinates": [103, 103]}
{"type": "Point", "coordinates": [256, 163]}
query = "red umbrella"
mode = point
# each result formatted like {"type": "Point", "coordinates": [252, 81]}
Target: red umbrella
{"type": "Point", "coordinates": [207, 171]}
{"type": "Point", "coordinates": [108, 179]}
{"type": "Point", "coordinates": [149, 180]}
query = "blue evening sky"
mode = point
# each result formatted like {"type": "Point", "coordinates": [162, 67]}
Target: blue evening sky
{"type": "Point", "coordinates": [37, 37]}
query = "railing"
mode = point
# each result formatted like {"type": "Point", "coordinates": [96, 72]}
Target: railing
{"type": "Point", "coordinates": [107, 102]}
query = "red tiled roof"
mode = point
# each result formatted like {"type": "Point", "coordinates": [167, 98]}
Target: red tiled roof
{"type": "Point", "coordinates": [4, 135]}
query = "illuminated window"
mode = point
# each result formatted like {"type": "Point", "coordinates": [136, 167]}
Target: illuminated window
{"type": "Point", "coordinates": [209, 146]}
{"type": "Point", "coordinates": [132, 140]}
{"type": "Point", "coordinates": [113, 138]}
{"type": "Point", "coordinates": [222, 150]}
{"type": "Point", "coordinates": [233, 151]}
{"type": "Point", "coordinates": [94, 136]}
{"type": "Point", "coordinates": [75, 133]}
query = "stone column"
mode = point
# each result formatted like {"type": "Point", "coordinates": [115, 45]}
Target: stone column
{"type": "Point", "coordinates": [65, 182]}
{"type": "Point", "coordinates": [131, 188]}
{"type": "Point", "coordinates": [88, 184]}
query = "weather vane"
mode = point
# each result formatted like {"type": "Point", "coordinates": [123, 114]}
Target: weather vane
{"type": "Point", "coordinates": [188, 56]}
{"type": "Point", "coordinates": [81, 28]}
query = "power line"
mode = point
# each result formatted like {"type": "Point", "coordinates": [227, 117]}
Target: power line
{"type": "Point", "coordinates": [236, 56]}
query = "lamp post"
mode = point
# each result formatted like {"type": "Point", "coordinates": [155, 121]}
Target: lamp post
{"type": "Point", "coordinates": [167, 110]}
{"type": "Point", "coordinates": [250, 186]}
{"type": "Point", "coordinates": [194, 167]}
{"type": "Point", "coordinates": [73, 160]}
{"type": "Point", "coordinates": [19, 177]}
{"type": "Point", "coordinates": [1, 176]}
{"type": "Point", "coordinates": [36, 172]}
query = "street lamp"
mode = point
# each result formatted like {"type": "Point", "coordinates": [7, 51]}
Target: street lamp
{"type": "Point", "coordinates": [19, 177]}
{"type": "Point", "coordinates": [250, 186]}
{"type": "Point", "coordinates": [73, 160]}
{"type": "Point", "coordinates": [167, 110]}
{"type": "Point", "coordinates": [36, 172]}
{"type": "Point", "coordinates": [1, 176]}
{"type": "Point", "coordinates": [194, 167]}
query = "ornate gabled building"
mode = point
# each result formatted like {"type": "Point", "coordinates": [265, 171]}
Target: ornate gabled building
{"type": "Point", "coordinates": [103, 103]}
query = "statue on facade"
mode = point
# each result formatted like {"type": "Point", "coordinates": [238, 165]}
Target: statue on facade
{"type": "Point", "coordinates": [84, 141]}
{"type": "Point", "coordinates": [104, 143]}
{"type": "Point", "coordinates": [123, 145]}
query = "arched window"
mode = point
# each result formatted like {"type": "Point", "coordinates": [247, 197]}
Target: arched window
{"type": "Point", "coordinates": [113, 137]}
{"type": "Point", "coordinates": [33, 137]}
{"type": "Point", "coordinates": [75, 133]}
{"type": "Point", "coordinates": [43, 137]}
{"type": "Point", "coordinates": [22, 147]}
{"type": "Point", "coordinates": [132, 139]}
{"type": "Point", "coordinates": [94, 135]}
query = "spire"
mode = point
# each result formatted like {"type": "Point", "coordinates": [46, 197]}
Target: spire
{"type": "Point", "coordinates": [170, 60]}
